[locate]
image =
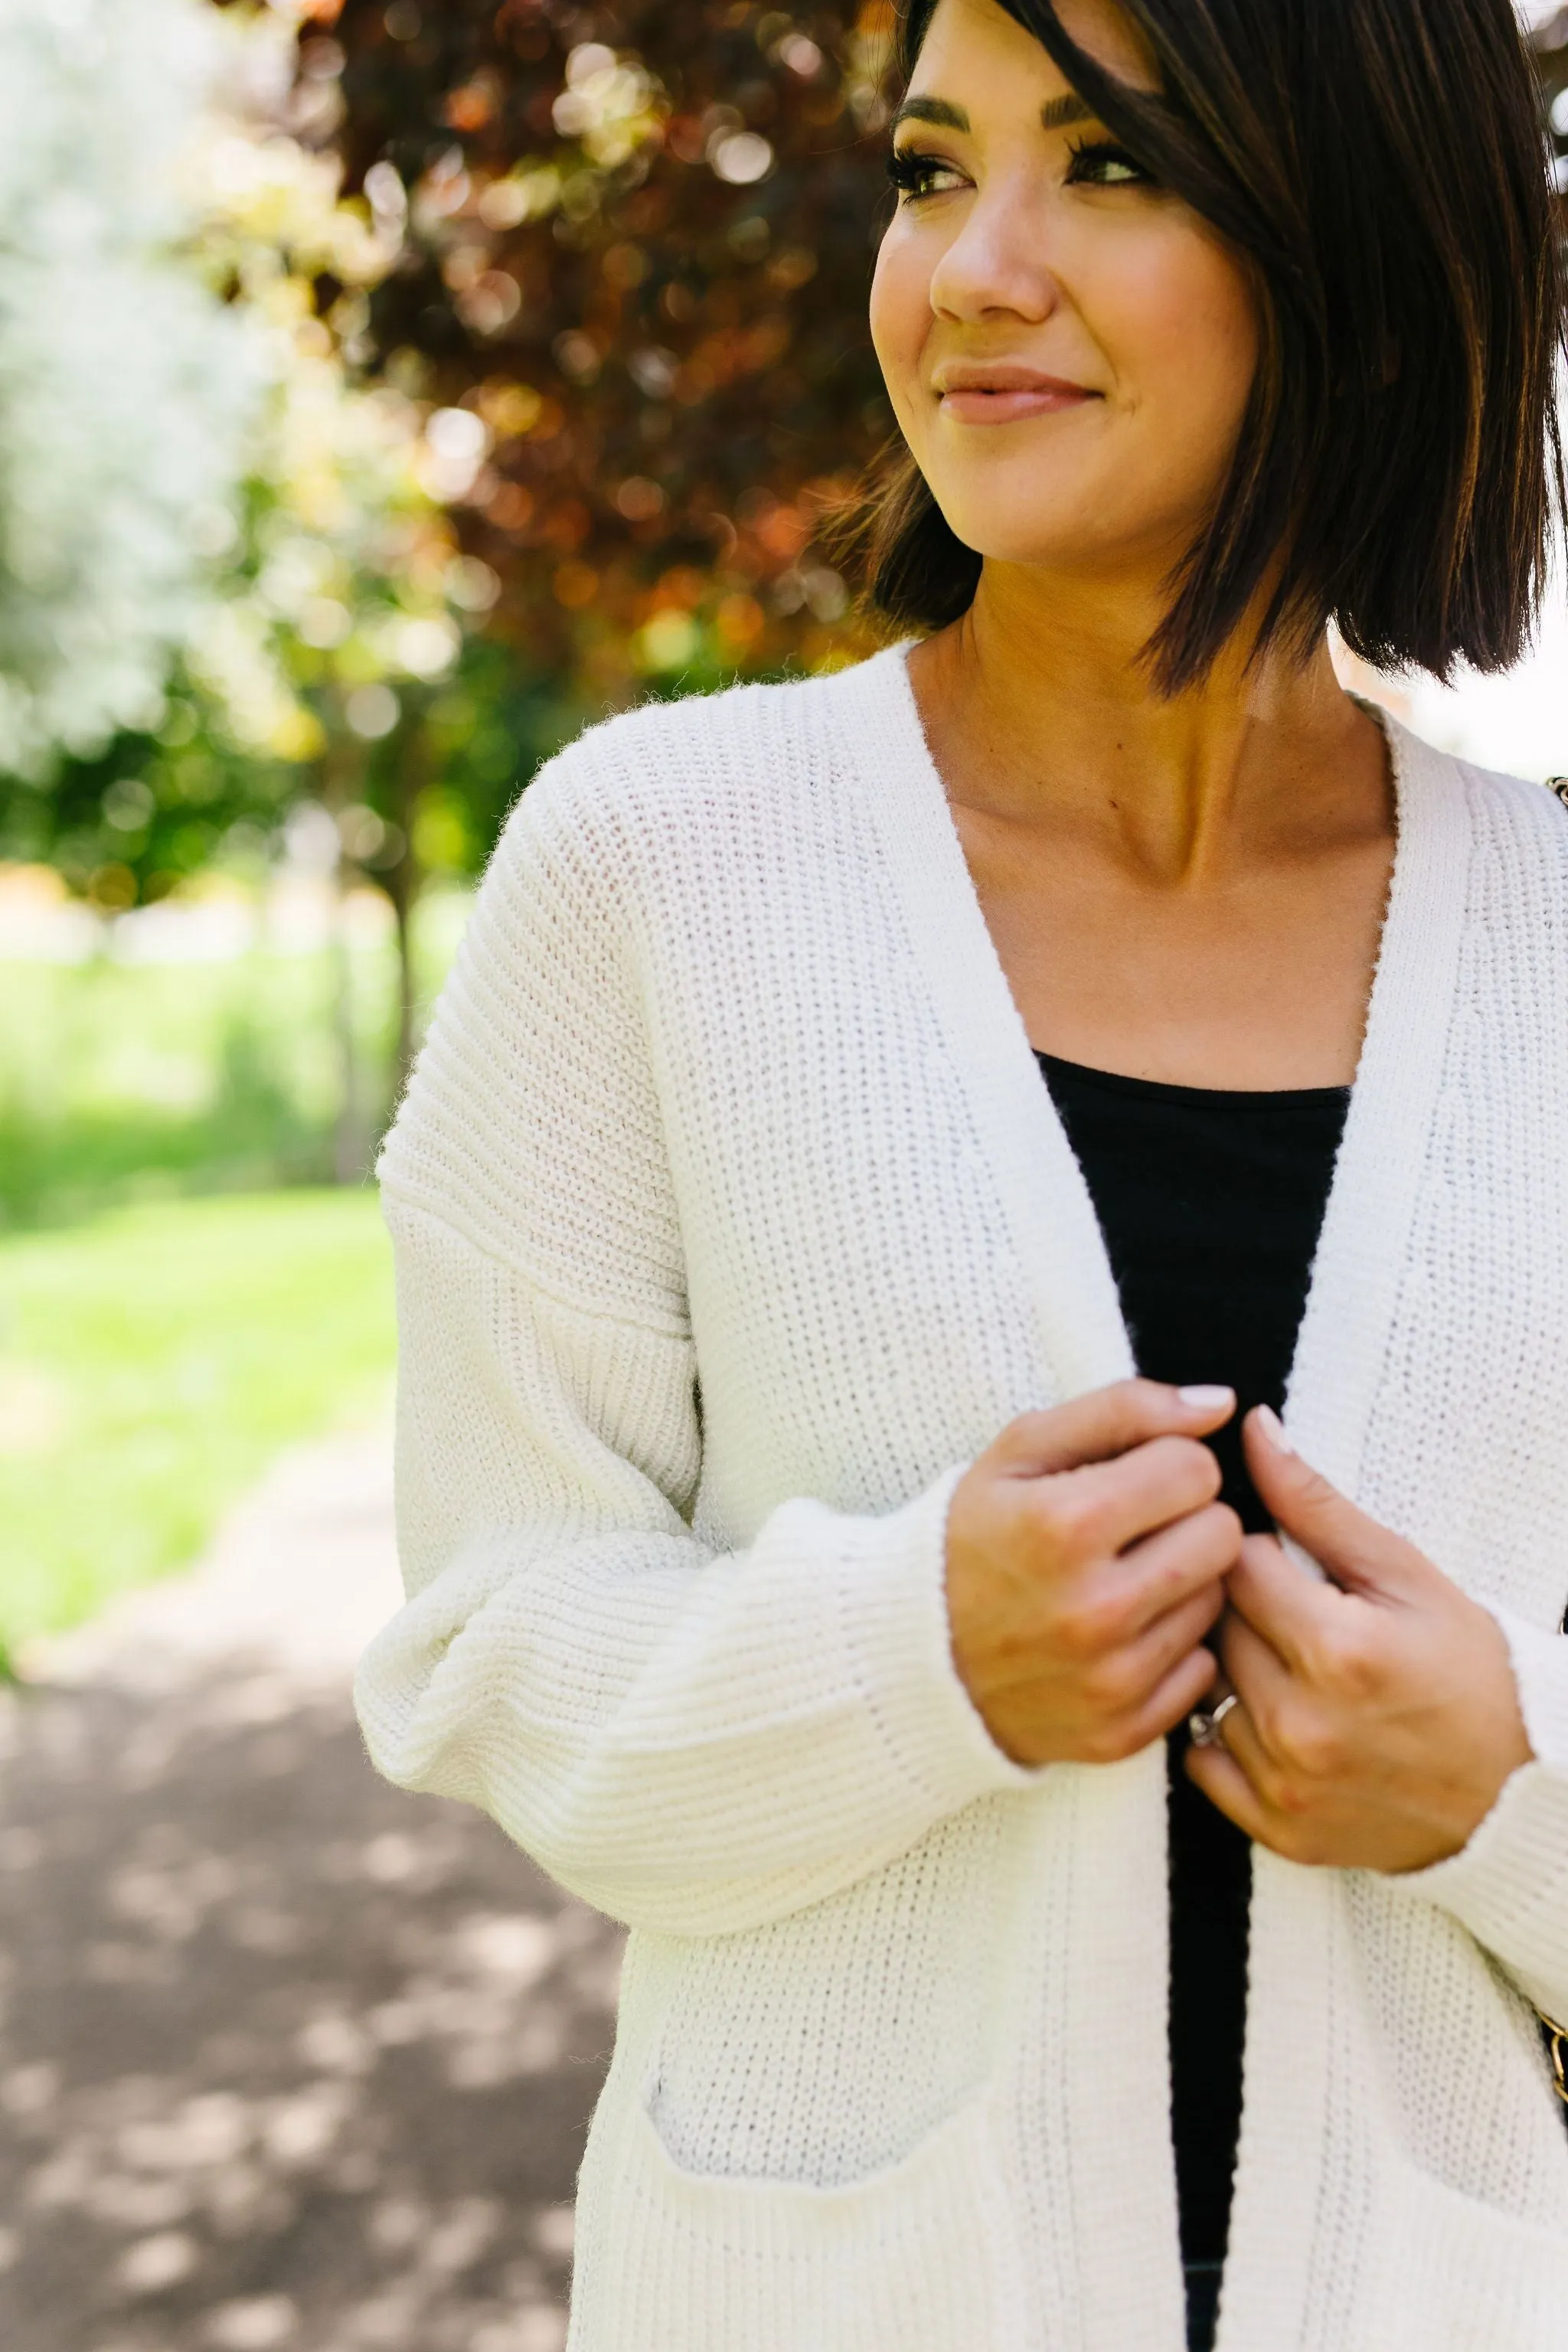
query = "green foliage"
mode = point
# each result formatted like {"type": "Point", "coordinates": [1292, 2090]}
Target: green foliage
{"type": "Point", "coordinates": [441, 785]}
{"type": "Point", "coordinates": [151, 1365]}
{"type": "Point", "coordinates": [636, 242]}
{"type": "Point", "coordinates": [128, 384]}
{"type": "Point", "coordinates": [126, 825]}
{"type": "Point", "coordinates": [154, 810]}
{"type": "Point", "coordinates": [597, 297]}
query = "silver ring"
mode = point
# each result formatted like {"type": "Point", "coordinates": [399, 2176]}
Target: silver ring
{"type": "Point", "coordinates": [1205, 1727]}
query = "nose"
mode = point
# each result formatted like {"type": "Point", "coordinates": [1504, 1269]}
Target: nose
{"type": "Point", "coordinates": [998, 263]}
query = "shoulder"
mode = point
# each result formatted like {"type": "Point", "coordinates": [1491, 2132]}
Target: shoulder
{"type": "Point", "coordinates": [670, 774]}
{"type": "Point", "coordinates": [1503, 843]}
{"type": "Point", "coordinates": [1519, 843]}
{"type": "Point", "coordinates": [1537, 812]}
{"type": "Point", "coordinates": [1507, 816]}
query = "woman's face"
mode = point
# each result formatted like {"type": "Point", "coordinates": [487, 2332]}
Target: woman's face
{"type": "Point", "coordinates": [1069, 348]}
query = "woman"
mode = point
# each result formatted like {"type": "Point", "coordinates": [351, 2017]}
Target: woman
{"type": "Point", "coordinates": [846, 1085]}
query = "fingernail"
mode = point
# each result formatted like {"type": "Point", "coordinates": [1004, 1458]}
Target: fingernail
{"type": "Point", "coordinates": [1203, 1399]}
{"type": "Point", "coordinates": [1273, 1429]}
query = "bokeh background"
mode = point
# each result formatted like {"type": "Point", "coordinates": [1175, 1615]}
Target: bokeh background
{"type": "Point", "coordinates": [387, 388]}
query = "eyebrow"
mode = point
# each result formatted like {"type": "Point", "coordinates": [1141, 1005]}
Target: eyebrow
{"type": "Point", "coordinates": [1057, 114]}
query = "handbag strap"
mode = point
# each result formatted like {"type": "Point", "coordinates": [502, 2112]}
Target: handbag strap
{"type": "Point", "coordinates": [1557, 2046]}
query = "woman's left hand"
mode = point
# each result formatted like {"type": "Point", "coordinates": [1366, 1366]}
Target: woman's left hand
{"type": "Point", "coordinates": [1379, 1717]}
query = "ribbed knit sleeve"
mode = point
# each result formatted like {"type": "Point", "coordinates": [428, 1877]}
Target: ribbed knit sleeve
{"type": "Point", "coordinates": [695, 1741]}
{"type": "Point", "coordinates": [1510, 1884]}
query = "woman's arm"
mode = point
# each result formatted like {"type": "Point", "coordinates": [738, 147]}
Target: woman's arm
{"type": "Point", "coordinates": [700, 1741]}
{"type": "Point", "coordinates": [692, 1742]}
{"type": "Point", "coordinates": [1509, 1885]}
{"type": "Point", "coordinates": [695, 1743]}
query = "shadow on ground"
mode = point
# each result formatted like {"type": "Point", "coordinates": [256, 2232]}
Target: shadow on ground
{"type": "Point", "coordinates": [289, 2061]}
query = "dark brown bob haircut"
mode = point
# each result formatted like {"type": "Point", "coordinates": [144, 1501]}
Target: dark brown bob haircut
{"type": "Point", "coordinates": [1382, 166]}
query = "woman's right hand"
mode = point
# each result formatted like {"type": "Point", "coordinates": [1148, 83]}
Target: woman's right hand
{"type": "Point", "coordinates": [1086, 1558]}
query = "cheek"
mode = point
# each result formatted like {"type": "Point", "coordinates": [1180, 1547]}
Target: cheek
{"type": "Point", "coordinates": [901, 314]}
{"type": "Point", "coordinates": [1180, 325]}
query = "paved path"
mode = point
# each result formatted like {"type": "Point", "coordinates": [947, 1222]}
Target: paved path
{"type": "Point", "coordinates": [289, 2062]}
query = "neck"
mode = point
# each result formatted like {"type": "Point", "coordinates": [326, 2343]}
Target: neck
{"type": "Point", "coordinates": [1041, 711]}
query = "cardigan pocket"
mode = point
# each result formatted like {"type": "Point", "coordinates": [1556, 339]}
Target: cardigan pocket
{"type": "Point", "coordinates": [925, 2256]}
{"type": "Point", "coordinates": [823, 2049]}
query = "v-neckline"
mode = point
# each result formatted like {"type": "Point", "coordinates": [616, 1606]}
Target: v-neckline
{"type": "Point", "coordinates": [1082, 1334]}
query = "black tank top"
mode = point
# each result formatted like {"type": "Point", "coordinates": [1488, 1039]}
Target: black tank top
{"type": "Point", "coordinates": [1211, 1205]}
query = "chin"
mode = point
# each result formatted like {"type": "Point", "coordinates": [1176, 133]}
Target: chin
{"type": "Point", "coordinates": [1088, 526]}
{"type": "Point", "coordinates": [1018, 530]}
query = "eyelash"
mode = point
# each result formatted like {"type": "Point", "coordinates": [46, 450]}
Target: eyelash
{"type": "Point", "coordinates": [909, 169]}
{"type": "Point", "coordinates": [1106, 151]}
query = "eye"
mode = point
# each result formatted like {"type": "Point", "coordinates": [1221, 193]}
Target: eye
{"type": "Point", "coordinates": [916, 175]}
{"type": "Point", "coordinates": [1101, 163]}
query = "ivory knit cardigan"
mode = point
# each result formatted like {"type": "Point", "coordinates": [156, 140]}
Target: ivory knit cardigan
{"type": "Point", "coordinates": [732, 1219]}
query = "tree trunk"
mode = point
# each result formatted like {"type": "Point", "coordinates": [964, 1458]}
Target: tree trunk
{"type": "Point", "coordinates": [350, 1145]}
{"type": "Point", "coordinates": [403, 880]}
{"type": "Point", "coordinates": [341, 774]}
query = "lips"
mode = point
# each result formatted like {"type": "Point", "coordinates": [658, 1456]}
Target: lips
{"type": "Point", "coordinates": [1005, 394]}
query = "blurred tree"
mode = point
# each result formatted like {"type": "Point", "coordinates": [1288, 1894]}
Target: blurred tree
{"type": "Point", "coordinates": [332, 576]}
{"type": "Point", "coordinates": [336, 603]}
{"type": "Point", "coordinates": [124, 383]}
{"type": "Point", "coordinates": [635, 241]}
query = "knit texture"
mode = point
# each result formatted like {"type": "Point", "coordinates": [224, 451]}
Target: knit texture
{"type": "Point", "coordinates": [732, 1222]}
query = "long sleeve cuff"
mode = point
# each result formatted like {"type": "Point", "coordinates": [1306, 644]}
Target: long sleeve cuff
{"type": "Point", "coordinates": [1510, 1884]}
{"type": "Point", "coordinates": [899, 1640]}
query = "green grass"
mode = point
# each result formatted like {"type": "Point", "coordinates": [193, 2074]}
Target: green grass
{"type": "Point", "coordinates": [122, 1082]}
{"type": "Point", "coordinates": [152, 1361]}
{"type": "Point", "coordinates": [119, 1084]}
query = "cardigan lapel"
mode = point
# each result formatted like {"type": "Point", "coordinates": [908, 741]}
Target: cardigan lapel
{"type": "Point", "coordinates": [1076, 1313]}
{"type": "Point", "coordinates": [1343, 1341]}
{"type": "Point", "coordinates": [1296, 1926]}
{"type": "Point", "coordinates": [1102, 1826]}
